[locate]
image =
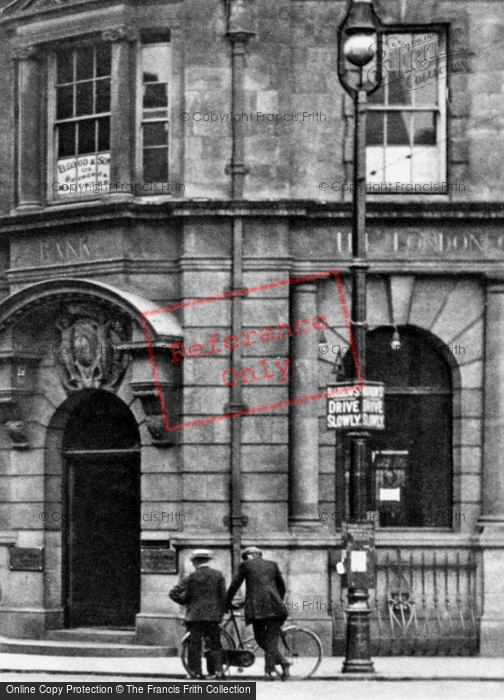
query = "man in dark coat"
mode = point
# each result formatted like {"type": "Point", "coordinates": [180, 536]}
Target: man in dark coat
{"type": "Point", "coordinates": [264, 608]}
{"type": "Point", "coordinates": [203, 593]}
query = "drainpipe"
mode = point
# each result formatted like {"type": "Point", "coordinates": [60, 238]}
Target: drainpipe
{"type": "Point", "coordinates": [238, 34]}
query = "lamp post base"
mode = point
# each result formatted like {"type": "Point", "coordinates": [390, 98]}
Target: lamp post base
{"type": "Point", "coordinates": [358, 646]}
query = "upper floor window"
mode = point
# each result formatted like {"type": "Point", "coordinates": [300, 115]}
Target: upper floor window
{"type": "Point", "coordinates": [82, 118]}
{"type": "Point", "coordinates": [406, 123]}
{"type": "Point", "coordinates": [92, 85]}
{"type": "Point", "coordinates": [153, 90]}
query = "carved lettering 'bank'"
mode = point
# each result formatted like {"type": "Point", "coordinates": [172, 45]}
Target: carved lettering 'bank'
{"type": "Point", "coordinates": [134, 229]}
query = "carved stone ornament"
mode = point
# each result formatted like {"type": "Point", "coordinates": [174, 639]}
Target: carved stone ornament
{"type": "Point", "coordinates": [88, 353]}
{"type": "Point", "coordinates": [23, 53]}
{"type": "Point", "coordinates": [155, 426]}
{"type": "Point", "coordinates": [16, 429]}
{"type": "Point", "coordinates": [126, 32]}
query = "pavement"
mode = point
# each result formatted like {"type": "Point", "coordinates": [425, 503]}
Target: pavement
{"type": "Point", "coordinates": [390, 668]}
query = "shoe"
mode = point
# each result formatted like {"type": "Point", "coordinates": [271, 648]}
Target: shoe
{"type": "Point", "coordinates": [216, 677]}
{"type": "Point", "coordinates": [286, 670]}
{"type": "Point", "coordinates": [268, 677]}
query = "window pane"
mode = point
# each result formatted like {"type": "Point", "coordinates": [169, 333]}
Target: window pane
{"type": "Point", "coordinates": [155, 134]}
{"type": "Point", "coordinates": [155, 95]}
{"type": "Point", "coordinates": [86, 136]}
{"type": "Point", "coordinates": [64, 62]}
{"type": "Point", "coordinates": [103, 59]}
{"type": "Point", "coordinates": [426, 91]}
{"type": "Point", "coordinates": [103, 133]}
{"type": "Point", "coordinates": [398, 128]}
{"type": "Point", "coordinates": [85, 63]}
{"type": "Point", "coordinates": [66, 140]}
{"type": "Point", "coordinates": [64, 102]}
{"type": "Point", "coordinates": [375, 161]}
{"type": "Point", "coordinates": [378, 97]}
{"type": "Point", "coordinates": [103, 167]}
{"type": "Point", "coordinates": [397, 168]}
{"type": "Point", "coordinates": [374, 129]}
{"type": "Point", "coordinates": [155, 63]}
{"type": "Point", "coordinates": [155, 164]}
{"type": "Point", "coordinates": [84, 103]}
{"type": "Point", "coordinates": [398, 93]}
{"type": "Point", "coordinates": [426, 166]}
{"type": "Point", "coordinates": [103, 95]}
{"type": "Point", "coordinates": [424, 128]}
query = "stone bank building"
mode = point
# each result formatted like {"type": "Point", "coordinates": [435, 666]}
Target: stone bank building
{"type": "Point", "coordinates": [157, 158]}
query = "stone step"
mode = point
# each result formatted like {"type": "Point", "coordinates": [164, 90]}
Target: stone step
{"type": "Point", "coordinates": [93, 635]}
{"type": "Point", "coordinates": [50, 647]}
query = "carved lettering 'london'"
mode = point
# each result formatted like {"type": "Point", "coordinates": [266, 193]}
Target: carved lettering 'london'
{"type": "Point", "coordinates": [64, 250]}
{"type": "Point", "coordinates": [426, 244]}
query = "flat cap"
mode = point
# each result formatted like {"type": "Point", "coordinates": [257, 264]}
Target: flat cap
{"type": "Point", "coordinates": [201, 554]}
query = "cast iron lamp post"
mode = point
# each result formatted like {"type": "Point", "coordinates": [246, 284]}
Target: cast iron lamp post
{"type": "Point", "coordinates": [359, 71]}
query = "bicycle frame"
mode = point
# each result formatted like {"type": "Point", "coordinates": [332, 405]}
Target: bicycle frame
{"type": "Point", "coordinates": [232, 617]}
{"type": "Point", "coordinates": [240, 656]}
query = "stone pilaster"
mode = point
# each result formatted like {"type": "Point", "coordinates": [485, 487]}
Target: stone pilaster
{"type": "Point", "coordinates": [492, 518]}
{"type": "Point", "coordinates": [29, 119]}
{"type": "Point", "coordinates": [303, 487]}
{"type": "Point", "coordinates": [122, 107]}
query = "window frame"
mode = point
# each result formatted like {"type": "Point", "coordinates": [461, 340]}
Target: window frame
{"type": "Point", "coordinates": [149, 38]}
{"type": "Point", "coordinates": [52, 157]}
{"type": "Point", "coordinates": [442, 123]}
{"type": "Point", "coordinates": [175, 132]}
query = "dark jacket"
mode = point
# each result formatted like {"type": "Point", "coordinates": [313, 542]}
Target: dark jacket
{"type": "Point", "coordinates": [203, 594]}
{"type": "Point", "coordinates": [265, 589]}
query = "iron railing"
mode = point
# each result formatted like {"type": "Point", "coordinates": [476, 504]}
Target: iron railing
{"type": "Point", "coordinates": [425, 603]}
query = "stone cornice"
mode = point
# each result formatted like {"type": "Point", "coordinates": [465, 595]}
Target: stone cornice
{"type": "Point", "coordinates": [90, 268]}
{"type": "Point", "coordinates": [321, 538]}
{"type": "Point", "coordinates": [421, 213]}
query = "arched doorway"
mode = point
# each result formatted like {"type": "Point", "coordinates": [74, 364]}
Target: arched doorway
{"type": "Point", "coordinates": [411, 479]}
{"type": "Point", "coordinates": [416, 446]}
{"type": "Point", "coordinates": [101, 481]}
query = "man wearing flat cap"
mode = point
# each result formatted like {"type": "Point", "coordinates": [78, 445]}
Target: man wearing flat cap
{"type": "Point", "coordinates": [264, 608]}
{"type": "Point", "coordinates": [203, 593]}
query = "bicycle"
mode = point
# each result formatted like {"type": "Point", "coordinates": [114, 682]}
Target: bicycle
{"type": "Point", "coordinates": [302, 648]}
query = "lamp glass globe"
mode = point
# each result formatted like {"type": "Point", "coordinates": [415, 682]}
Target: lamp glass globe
{"type": "Point", "coordinates": [360, 49]}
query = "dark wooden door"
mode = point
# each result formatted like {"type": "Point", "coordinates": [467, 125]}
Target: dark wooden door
{"type": "Point", "coordinates": [103, 540]}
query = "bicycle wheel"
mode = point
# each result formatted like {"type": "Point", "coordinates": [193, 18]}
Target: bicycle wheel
{"type": "Point", "coordinates": [303, 649]}
{"type": "Point", "coordinates": [227, 642]}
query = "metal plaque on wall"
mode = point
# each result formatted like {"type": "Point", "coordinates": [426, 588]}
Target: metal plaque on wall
{"type": "Point", "coordinates": [26, 558]}
{"type": "Point", "coordinates": [158, 560]}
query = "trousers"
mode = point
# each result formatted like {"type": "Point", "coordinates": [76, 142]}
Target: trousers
{"type": "Point", "coordinates": [267, 635]}
{"type": "Point", "coordinates": [210, 632]}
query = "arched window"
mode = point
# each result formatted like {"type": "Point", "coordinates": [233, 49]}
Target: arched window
{"type": "Point", "coordinates": [412, 457]}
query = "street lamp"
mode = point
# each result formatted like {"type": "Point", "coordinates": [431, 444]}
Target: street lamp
{"type": "Point", "coordinates": [359, 71]}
